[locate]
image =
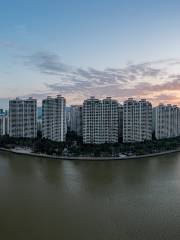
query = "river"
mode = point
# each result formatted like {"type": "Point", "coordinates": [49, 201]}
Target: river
{"type": "Point", "coordinates": [76, 200]}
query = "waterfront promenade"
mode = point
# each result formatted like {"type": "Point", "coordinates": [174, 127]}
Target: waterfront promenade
{"type": "Point", "coordinates": [86, 158]}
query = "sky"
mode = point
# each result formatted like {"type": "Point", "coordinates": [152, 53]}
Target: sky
{"type": "Point", "coordinates": [118, 48]}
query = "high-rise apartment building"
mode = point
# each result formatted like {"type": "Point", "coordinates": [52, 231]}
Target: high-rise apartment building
{"type": "Point", "coordinates": [145, 120]}
{"type": "Point", "coordinates": [100, 121]}
{"type": "Point", "coordinates": [23, 118]}
{"type": "Point", "coordinates": [76, 119]}
{"type": "Point", "coordinates": [137, 120]}
{"type": "Point", "coordinates": [109, 120]}
{"type": "Point", "coordinates": [166, 121]}
{"type": "Point", "coordinates": [68, 117]}
{"type": "Point", "coordinates": [92, 121]}
{"type": "Point", "coordinates": [4, 123]}
{"type": "Point", "coordinates": [120, 122]}
{"type": "Point", "coordinates": [54, 118]}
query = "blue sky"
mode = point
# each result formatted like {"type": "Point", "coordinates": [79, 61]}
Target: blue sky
{"type": "Point", "coordinates": [82, 48]}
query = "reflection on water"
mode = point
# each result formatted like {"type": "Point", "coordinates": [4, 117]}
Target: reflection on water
{"type": "Point", "coordinates": [48, 199]}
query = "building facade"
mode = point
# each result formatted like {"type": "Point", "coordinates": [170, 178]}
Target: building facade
{"type": "Point", "coordinates": [100, 121]}
{"type": "Point", "coordinates": [166, 121]}
{"type": "Point", "coordinates": [109, 120]}
{"type": "Point", "coordinates": [4, 123]}
{"type": "Point", "coordinates": [92, 121]}
{"type": "Point", "coordinates": [23, 118]}
{"type": "Point", "coordinates": [68, 117]}
{"type": "Point", "coordinates": [120, 122]}
{"type": "Point", "coordinates": [76, 119]}
{"type": "Point", "coordinates": [54, 118]}
{"type": "Point", "coordinates": [137, 120]}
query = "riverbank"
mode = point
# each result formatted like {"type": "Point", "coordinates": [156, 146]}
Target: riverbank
{"type": "Point", "coordinates": [28, 153]}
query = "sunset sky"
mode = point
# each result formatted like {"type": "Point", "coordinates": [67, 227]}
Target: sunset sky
{"type": "Point", "coordinates": [79, 48]}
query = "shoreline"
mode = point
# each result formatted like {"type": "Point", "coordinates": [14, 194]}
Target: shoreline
{"type": "Point", "coordinates": [89, 158]}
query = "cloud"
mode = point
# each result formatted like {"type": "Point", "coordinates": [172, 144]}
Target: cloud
{"type": "Point", "coordinates": [148, 87]}
{"type": "Point", "coordinates": [148, 80]}
{"type": "Point", "coordinates": [165, 97]}
{"type": "Point", "coordinates": [47, 63]}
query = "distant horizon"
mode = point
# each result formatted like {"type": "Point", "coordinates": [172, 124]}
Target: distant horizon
{"type": "Point", "coordinates": [5, 104]}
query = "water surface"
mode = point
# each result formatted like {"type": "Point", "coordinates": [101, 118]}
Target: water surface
{"type": "Point", "coordinates": [69, 200]}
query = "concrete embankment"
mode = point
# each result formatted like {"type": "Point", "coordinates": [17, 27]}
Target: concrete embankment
{"type": "Point", "coordinates": [80, 158]}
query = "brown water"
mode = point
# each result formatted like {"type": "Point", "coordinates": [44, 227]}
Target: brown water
{"type": "Point", "coordinates": [69, 200]}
